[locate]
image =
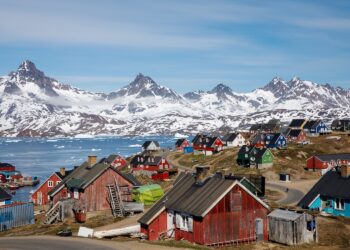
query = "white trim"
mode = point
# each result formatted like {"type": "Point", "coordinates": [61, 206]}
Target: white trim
{"type": "Point", "coordinates": [228, 190]}
{"type": "Point", "coordinates": [54, 173]}
{"type": "Point", "coordinates": [313, 200]}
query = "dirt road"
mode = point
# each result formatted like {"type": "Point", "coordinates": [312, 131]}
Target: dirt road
{"type": "Point", "coordinates": [59, 243]}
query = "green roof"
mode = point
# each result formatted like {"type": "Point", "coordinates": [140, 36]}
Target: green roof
{"type": "Point", "coordinates": [75, 183]}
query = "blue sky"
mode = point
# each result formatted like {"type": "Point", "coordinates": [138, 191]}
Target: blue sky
{"type": "Point", "coordinates": [186, 45]}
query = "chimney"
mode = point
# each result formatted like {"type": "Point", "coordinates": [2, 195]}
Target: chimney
{"type": "Point", "coordinates": [63, 171]}
{"type": "Point", "coordinates": [201, 173]}
{"type": "Point", "coordinates": [92, 159]}
{"type": "Point", "coordinates": [345, 171]}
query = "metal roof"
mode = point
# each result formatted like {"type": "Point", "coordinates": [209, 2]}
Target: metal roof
{"type": "Point", "coordinates": [284, 214]}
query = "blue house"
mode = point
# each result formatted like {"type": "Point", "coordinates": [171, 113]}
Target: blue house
{"type": "Point", "coordinates": [276, 140]}
{"type": "Point", "coordinates": [315, 128]}
{"type": "Point", "coordinates": [331, 194]}
{"type": "Point", "coordinates": [5, 197]}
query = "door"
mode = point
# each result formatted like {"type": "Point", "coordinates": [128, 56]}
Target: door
{"type": "Point", "coordinates": [40, 198]}
{"type": "Point", "coordinates": [259, 229]}
{"type": "Point", "coordinates": [170, 224]}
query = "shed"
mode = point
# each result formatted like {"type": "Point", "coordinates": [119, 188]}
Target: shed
{"type": "Point", "coordinates": [284, 177]}
{"type": "Point", "coordinates": [291, 227]}
{"type": "Point", "coordinates": [148, 194]}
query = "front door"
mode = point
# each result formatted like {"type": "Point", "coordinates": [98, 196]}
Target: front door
{"type": "Point", "coordinates": [170, 224]}
{"type": "Point", "coordinates": [40, 198]}
{"type": "Point", "coordinates": [259, 229]}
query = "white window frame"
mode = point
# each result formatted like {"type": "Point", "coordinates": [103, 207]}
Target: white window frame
{"type": "Point", "coordinates": [339, 204]}
{"type": "Point", "coordinates": [50, 183]}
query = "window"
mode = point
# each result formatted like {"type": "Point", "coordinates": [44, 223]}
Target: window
{"type": "Point", "coordinates": [58, 182]}
{"type": "Point", "coordinates": [50, 183]}
{"type": "Point", "coordinates": [76, 194]}
{"type": "Point", "coordinates": [339, 204]}
{"type": "Point", "coordinates": [184, 222]}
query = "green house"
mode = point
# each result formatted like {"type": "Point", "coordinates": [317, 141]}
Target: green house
{"type": "Point", "coordinates": [243, 157]}
{"type": "Point", "coordinates": [261, 158]}
{"type": "Point", "coordinates": [254, 157]}
{"type": "Point", "coordinates": [147, 194]}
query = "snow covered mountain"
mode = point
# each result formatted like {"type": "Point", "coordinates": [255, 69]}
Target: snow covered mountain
{"type": "Point", "coordinates": [32, 104]}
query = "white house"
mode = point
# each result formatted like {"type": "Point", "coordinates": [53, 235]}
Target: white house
{"type": "Point", "coordinates": [234, 140]}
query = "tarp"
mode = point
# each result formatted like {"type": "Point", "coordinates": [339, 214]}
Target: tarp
{"type": "Point", "coordinates": [147, 194]}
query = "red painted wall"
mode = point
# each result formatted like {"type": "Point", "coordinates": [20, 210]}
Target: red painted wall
{"type": "Point", "coordinates": [163, 165]}
{"type": "Point", "coordinates": [119, 163]}
{"type": "Point", "coordinates": [221, 225]}
{"type": "Point", "coordinates": [185, 143]}
{"type": "Point", "coordinates": [156, 227]}
{"type": "Point", "coordinates": [95, 196]}
{"type": "Point", "coordinates": [315, 163]}
{"type": "Point", "coordinates": [44, 189]}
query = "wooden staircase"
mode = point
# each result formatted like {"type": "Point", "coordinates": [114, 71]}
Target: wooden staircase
{"type": "Point", "coordinates": [54, 214]}
{"type": "Point", "coordinates": [115, 200]}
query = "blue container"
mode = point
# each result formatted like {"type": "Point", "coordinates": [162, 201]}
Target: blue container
{"type": "Point", "coordinates": [16, 215]}
{"type": "Point", "coordinates": [188, 150]}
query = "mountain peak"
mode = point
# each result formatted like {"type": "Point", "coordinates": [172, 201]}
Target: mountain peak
{"type": "Point", "coordinates": [27, 65]}
{"type": "Point", "coordinates": [222, 88]}
{"type": "Point", "coordinates": [144, 86]}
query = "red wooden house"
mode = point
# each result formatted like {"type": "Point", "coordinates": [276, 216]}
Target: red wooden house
{"type": "Point", "coordinates": [328, 161]}
{"type": "Point", "coordinates": [149, 163]}
{"type": "Point", "coordinates": [88, 185]}
{"type": "Point", "coordinates": [210, 211]}
{"type": "Point", "coordinates": [180, 144]}
{"type": "Point", "coordinates": [40, 195]}
{"type": "Point", "coordinates": [116, 161]}
{"type": "Point", "coordinates": [296, 135]}
{"type": "Point", "coordinates": [207, 144]}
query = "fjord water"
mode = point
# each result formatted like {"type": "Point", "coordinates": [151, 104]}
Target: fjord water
{"type": "Point", "coordinates": [42, 156]}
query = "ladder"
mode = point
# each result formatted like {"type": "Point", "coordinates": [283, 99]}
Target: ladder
{"type": "Point", "coordinates": [54, 214]}
{"type": "Point", "coordinates": [115, 200]}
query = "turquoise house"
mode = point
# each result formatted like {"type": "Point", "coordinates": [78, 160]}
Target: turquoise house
{"type": "Point", "coordinates": [331, 194]}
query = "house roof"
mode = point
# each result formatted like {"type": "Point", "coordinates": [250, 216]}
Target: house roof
{"type": "Point", "coordinates": [82, 176]}
{"type": "Point", "coordinates": [230, 137]}
{"type": "Point", "coordinates": [295, 132]}
{"type": "Point", "coordinates": [146, 160]}
{"type": "Point", "coordinates": [179, 142]}
{"type": "Point", "coordinates": [297, 123]}
{"type": "Point", "coordinates": [312, 124]}
{"type": "Point", "coordinates": [4, 195]}
{"type": "Point", "coordinates": [147, 143]}
{"type": "Point", "coordinates": [257, 138]}
{"type": "Point", "coordinates": [181, 185]}
{"type": "Point", "coordinates": [196, 138]}
{"type": "Point", "coordinates": [67, 172]}
{"type": "Point", "coordinates": [259, 152]}
{"type": "Point", "coordinates": [204, 140]}
{"type": "Point", "coordinates": [4, 164]}
{"type": "Point", "coordinates": [334, 157]}
{"type": "Point", "coordinates": [331, 184]}
{"type": "Point", "coordinates": [275, 138]}
{"type": "Point", "coordinates": [340, 122]}
{"type": "Point", "coordinates": [284, 215]}
{"type": "Point", "coordinates": [110, 159]}
{"type": "Point", "coordinates": [197, 199]}
{"type": "Point", "coordinates": [245, 149]}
